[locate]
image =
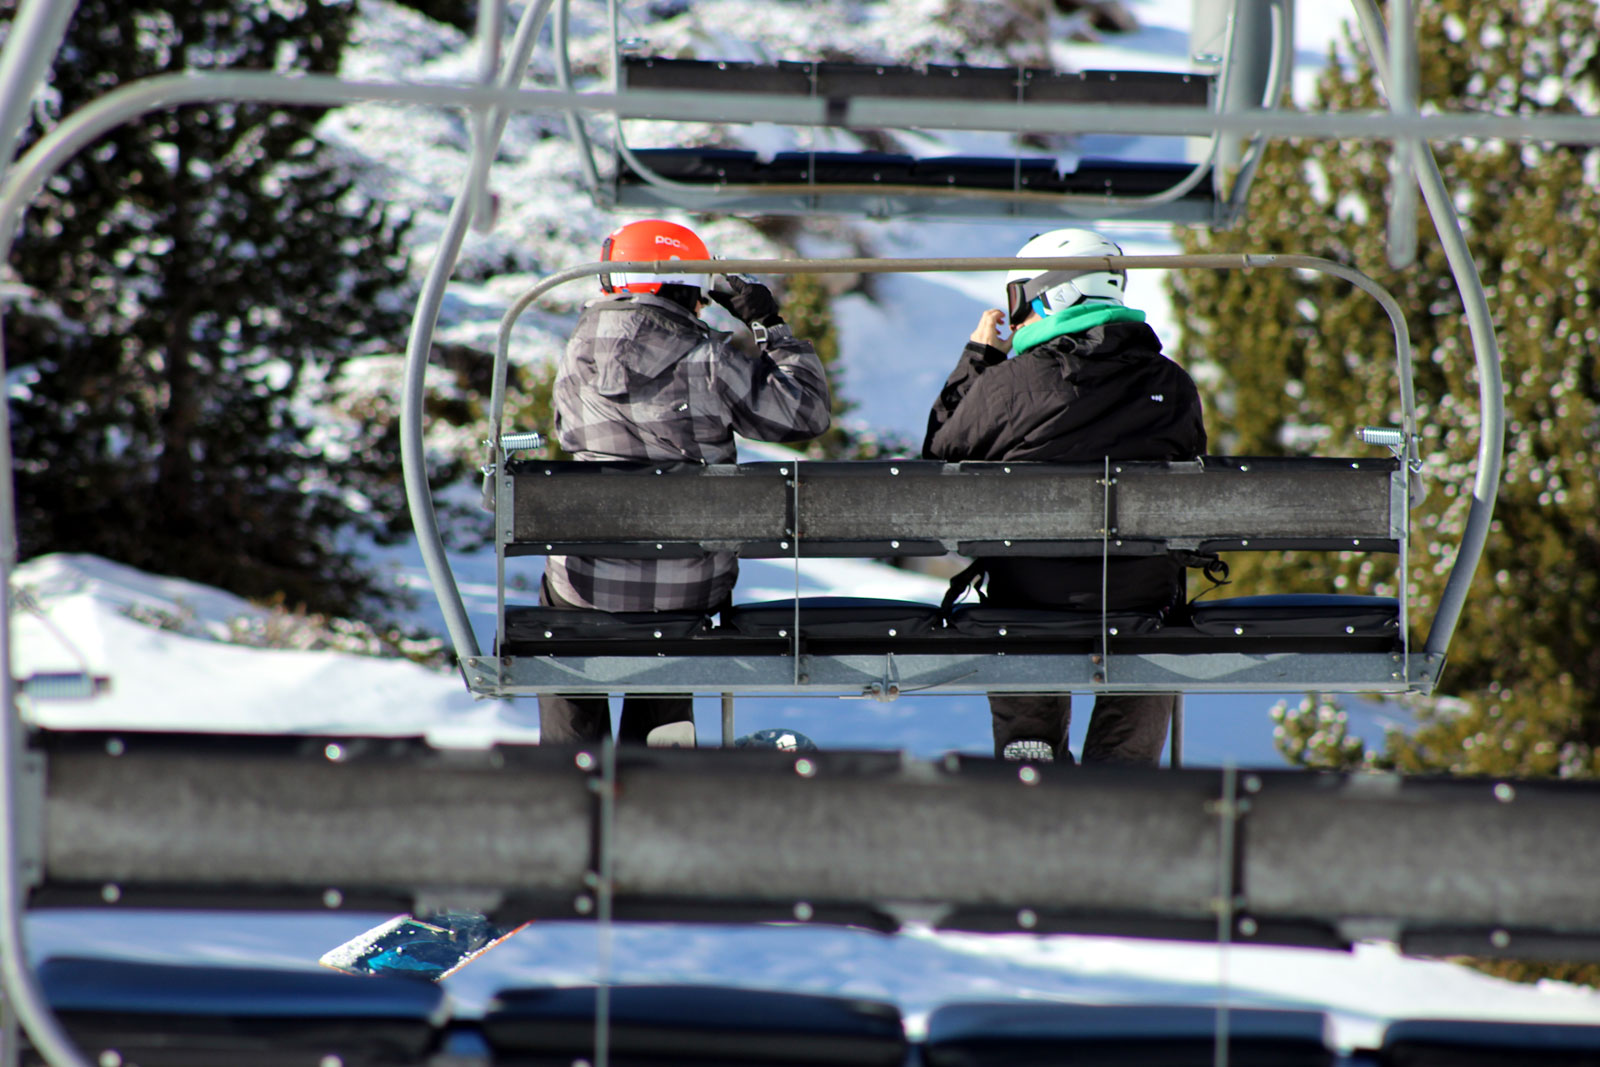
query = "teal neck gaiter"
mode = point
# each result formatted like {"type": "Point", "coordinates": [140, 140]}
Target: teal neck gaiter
{"type": "Point", "coordinates": [1074, 319]}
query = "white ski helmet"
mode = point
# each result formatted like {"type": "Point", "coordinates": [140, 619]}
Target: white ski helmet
{"type": "Point", "coordinates": [1063, 288]}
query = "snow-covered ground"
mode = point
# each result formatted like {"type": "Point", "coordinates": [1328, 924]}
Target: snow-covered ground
{"type": "Point", "coordinates": [184, 678]}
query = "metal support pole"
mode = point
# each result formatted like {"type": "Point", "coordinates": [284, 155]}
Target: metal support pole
{"type": "Point", "coordinates": [1177, 731]}
{"type": "Point", "coordinates": [727, 720]}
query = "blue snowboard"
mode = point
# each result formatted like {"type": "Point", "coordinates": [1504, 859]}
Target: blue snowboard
{"type": "Point", "coordinates": [430, 947]}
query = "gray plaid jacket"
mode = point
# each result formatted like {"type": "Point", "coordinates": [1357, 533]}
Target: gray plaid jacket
{"type": "Point", "coordinates": [643, 379]}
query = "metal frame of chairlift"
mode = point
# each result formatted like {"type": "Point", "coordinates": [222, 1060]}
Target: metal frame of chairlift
{"type": "Point", "coordinates": [39, 26]}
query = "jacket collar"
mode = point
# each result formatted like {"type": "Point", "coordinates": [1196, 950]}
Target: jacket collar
{"type": "Point", "coordinates": [1075, 319]}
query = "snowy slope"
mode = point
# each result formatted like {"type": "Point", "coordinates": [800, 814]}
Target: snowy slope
{"type": "Point", "coordinates": [186, 679]}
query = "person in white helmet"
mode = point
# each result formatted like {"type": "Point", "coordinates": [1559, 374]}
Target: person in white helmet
{"type": "Point", "coordinates": [1085, 380]}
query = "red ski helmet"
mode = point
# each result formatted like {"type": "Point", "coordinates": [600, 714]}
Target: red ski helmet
{"type": "Point", "coordinates": [650, 240]}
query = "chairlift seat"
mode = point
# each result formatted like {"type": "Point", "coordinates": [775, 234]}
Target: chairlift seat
{"type": "Point", "coordinates": [1482, 1043]}
{"type": "Point", "coordinates": [1016, 1034]}
{"type": "Point", "coordinates": [834, 617]}
{"type": "Point", "coordinates": [166, 1015]}
{"type": "Point", "coordinates": [854, 168]}
{"type": "Point", "coordinates": [661, 1025]}
{"type": "Point", "coordinates": [1297, 615]}
{"type": "Point", "coordinates": [982, 620]}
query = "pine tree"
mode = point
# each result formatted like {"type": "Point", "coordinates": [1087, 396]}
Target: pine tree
{"type": "Point", "coordinates": [200, 277]}
{"type": "Point", "coordinates": [1303, 360]}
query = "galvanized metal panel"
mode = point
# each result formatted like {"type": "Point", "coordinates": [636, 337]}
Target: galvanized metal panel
{"type": "Point", "coordinates": [215, 819]}
{"type": "Point", "coordinates": [715, 504]}
{"type": "Point", "coordinates": [714, 828]}
{"type": "Point", "coordinates": [926, 501]}
{"type": "Point", "coordinates": [1227, 504]}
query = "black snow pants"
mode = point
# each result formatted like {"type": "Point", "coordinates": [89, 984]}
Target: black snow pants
{"type": "Point", "coordinates": [1129, 728]}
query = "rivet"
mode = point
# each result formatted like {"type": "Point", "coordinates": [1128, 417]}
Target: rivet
{"type": "Point", "coordinates": [1252, 784]}
{"type": "Point", "coordinates": [804, 911]}
{"type": "Point", "coordinates": [1028, 775]}
{"type": "Point", "coordinates": [1027, 919]}
{"type": "Point", "coordinates": [332, 898]}
{"type": "Point", "coordinates": [1007, 544]}
{"type": "Point", "coordinates": [805, 768]}
{"type": "Point", "coordinates": [783, 544]}
{"type": "Point", "coordinates": [1349, 629]}
{"type": "Point", "coordinates": [584, 761]}
{"type": "Point", "coordinates": [110, 893]}
{"type": "Point", "coordinates": [1238, 630]}
{"type": "Point", "coordinates": [658, 470]}
{"type": "Point", "coordinates": [1246, 541]}
{"type": "Point", "coordinates": [330, 1060]}
{"type": "Point", "coordinates": [894, 544]}
{"type": "Point", "coordinates": [1008, 470]}
{"type": "Point", "coordinates": [583, 905]}
{"type": "Point", "coordinates": [657, 633]}
{"type": "Point", "coordinates": [783, 470]}
{"type": "Point", "coordinates": [1002, 631]}
{"type": "Point", "coordinates": [894, 470]}
{"type": "Point", "coordinates": [658, 548]}
{"type": "Point", "coordinates": [110, 1058]}
{"type": "Point", "coordinates": [1500, 939]}
{"type": "Point", "coordinates": [1244, 466]}
{"type": "Point", "coordinates": [893, 632]}
{"type": "Point", "coordinates": [1356, 541]}
{"type": "Point", "coordinates": [1248, 927]}
{"type": "Point", "coordinates": [1504, 792]}
{"type": "Point", "coordinates": [115, 747]}
{"type": "Point", "coordinates": [547, 633]}
{"type": "Point", "coordinates": [1113, 631]}
{"type": "Point", "coordinates": [549, 548]}
{"type": "Point", "coordinates": [334, 752]}
{"type": "Point", "coordinates": [783, 633]}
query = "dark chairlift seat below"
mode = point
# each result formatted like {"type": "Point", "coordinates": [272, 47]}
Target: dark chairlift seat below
{"type": "Point", "coordinates": [870, 182]}
{"type": "Point", "coordinates": [1476, 1043]}
{"type": "Point", "coordinates": [665, 1026]}
{"type": "Point", "coordinates": [1020, 1034]}
{"type": "Point", "coordinates": [165, 1015]}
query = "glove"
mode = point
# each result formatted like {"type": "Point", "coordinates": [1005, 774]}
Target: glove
{"type": "Point", "coordinates": [747, 300]}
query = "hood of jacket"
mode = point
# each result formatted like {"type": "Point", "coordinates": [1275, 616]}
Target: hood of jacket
{"type": "Point", "coordinates": [639, 335]}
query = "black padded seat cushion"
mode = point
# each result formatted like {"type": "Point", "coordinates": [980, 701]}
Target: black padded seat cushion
{"type": "Point", "coordinates": [168, 1015]}
{"type": "Point", "coordinates": [530, 623]}
{"type": "Point", "coordinates": [698, 1025]}
{"type": "Point", "coordinates": [1477, 1043]}
{"type": "Point", "coordinates": [1297, 615]}
{"type": "Point", "coordinates": [1020, 1034]}
{"type": "Point", "coordinates": [834, 616]}
{"type": "Point", "coordinates": [979, 620]}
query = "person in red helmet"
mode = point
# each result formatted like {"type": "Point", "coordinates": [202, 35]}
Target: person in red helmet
{"type": "Point", "coordinates": [644, 379]}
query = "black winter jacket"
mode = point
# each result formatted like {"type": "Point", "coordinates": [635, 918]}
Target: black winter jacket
{"type": "Point", "coordinates": [1081, 397]}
